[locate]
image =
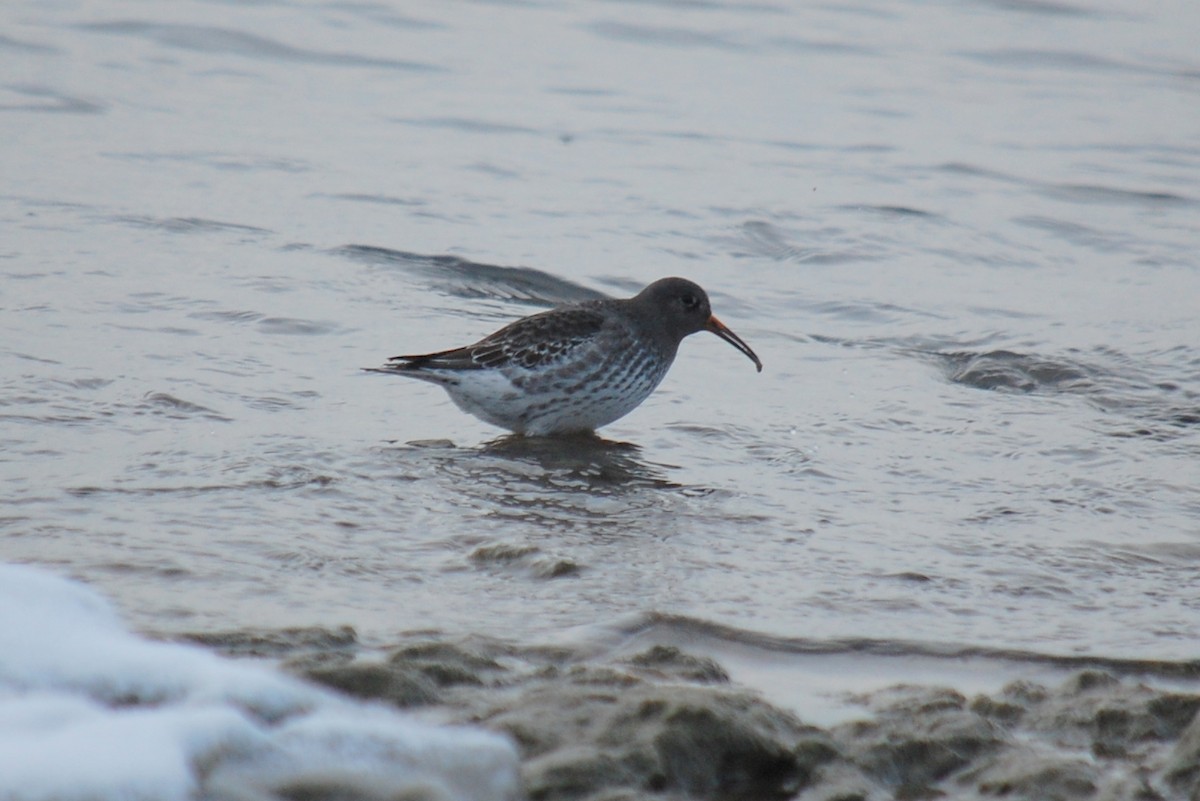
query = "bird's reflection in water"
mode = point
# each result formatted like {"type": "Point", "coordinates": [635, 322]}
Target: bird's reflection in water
{"type": "Point", "coordinates": [582, 461]}
{"type": "Point", "coordinates": [560, 483]}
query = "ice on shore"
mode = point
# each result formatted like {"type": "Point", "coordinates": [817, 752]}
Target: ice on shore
{"type": "Point", "coordinates": [90, 710]}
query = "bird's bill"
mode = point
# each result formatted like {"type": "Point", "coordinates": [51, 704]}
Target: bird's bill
{"type": "Point", "coordinates": [720, 329]}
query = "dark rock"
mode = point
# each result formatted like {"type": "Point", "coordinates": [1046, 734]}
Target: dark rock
{"type": "Point", "coordinates": [664, 661]}
{"type": "Point", "coordinates": [696, 741]}
{"type": "Point", "coordinates": [1111, 718]}
{"type": "Point", "coordinates": [447, 664]}
{"type": "Point", "coordinates": [1088, 680]}
{"type": "Point", "coordinates": [277, 643]}
{"type": "Point", "coordinates": [1021, 774]}
{"type": "Point", "coordinates": [319, 784]}
{"type": "Point", "coordinates": [1182, 770]}
{"type": "Point", "coordinates": [394, 684]}
{"type": "Point", "coordinates": [918, 738]}
{"type": "Point", "coordinates": [530, 557]}
{"type": "Point", "coordinates": [1000, 711]}
{"type": "Point", "coordinates": [1171, 714]}
{"type": "Point", "coordinates": [571, 773]}
{"type": "Point", "coordinates": [353, 788]}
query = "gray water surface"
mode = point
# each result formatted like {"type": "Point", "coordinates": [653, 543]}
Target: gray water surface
{"type": "Point", "coordinates": [961, 236]}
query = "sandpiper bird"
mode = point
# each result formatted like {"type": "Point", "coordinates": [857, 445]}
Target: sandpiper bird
{"type": "Point", "coordinates": [573, 368]}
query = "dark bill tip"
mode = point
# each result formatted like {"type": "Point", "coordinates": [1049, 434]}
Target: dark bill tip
{"type": "Point", "coordinates": [720, 329]}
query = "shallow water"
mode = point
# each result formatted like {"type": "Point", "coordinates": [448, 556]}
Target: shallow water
{"type": "Point", "coordinates": [962, 239]}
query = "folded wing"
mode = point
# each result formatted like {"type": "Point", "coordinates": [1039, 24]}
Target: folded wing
{"type": "Point", "coordinates": [529, 343]}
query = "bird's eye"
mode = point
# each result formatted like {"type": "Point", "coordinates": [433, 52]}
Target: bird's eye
{"type": "Point", "coordinates": [690, 301]}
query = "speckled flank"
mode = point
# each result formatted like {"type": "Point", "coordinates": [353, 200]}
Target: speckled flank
{"type": "Point", "coordinates": [617, 387]}
{"type": "Point", "coordinates": [575, 395]}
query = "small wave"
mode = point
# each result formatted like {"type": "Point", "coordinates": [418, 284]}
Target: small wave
{"type": "Point", "coordinates": [212, 39]}
{"type": "Point", "coordinates": [9, 43]}
{"type": "Point", "coordinates": [292, 326]}
{"type": "Point", "coordinates": [216, 160]}
{"type": "Point", "coordinates": [1111, 381]}
{"type": "Point", "coordinates": [241, 316]}
{"type": "Point", "coordinates": [1073, 193]}
{"type": "Point", "coordinates": [280, 482]}
{"type": "Point", "coordinates": [1076, 233]}
{"type": "Point", "coordinates": [1003, 369]}
{"type": "Point", "coordinates": [761, 238]}
{"type": "Point", "coordinates": [669, 627]}
{"type": "Point", "coordinates": [822, 47]}
{"type": "Point", "coordinates": [529, 559]}
{"type": "Point", "coordinates": [467, 125]}
{"type": "Point", "coordinates": [360, 197]}
{"type": "Point", "coordinates": [1043, 7]}
{"type": "Point", "coordinates": [171, 406]}
{"type": "Point", "coordinates": [1096, 193]}
{"type": "Point", "coordinates": [661, 35]}
{"type": "Point", "coordinates": [187, 225]}
{"type": "Point", "coordinates": [468, 279]}
{"type": "Point", "coordinates": [1030, 58]}
{"type": "Point", "coordinates": [891, 211]}
{"type": "Point", "coordinates": [50, 100]}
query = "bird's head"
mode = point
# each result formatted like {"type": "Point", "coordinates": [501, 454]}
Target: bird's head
{"type": "Point", "coordinates": [681, 307]}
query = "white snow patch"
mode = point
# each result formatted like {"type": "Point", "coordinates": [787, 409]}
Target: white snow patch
{"type": "Point", "coordinates": [89, 710]}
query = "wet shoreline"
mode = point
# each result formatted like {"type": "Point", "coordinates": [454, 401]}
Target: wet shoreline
{"type": "Point", "coordinates": [662, 721]}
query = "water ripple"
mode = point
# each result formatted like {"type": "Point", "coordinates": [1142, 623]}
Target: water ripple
{"type": "Point", "coordinates": [467, 279]}
{"type": "Point", "coordinates": [9, 43]}
{"type": "Point", "coordinates": [1034, 59]}
{"type": "Point", "coordinates": [292, 326]}
{"type": "Point", "coordinates": [179, 409]}
{"type": "Point", "coordinates": [51, 100]}
{"type": "Point", "coordinates": [760, 238]}
{"type": "Point", "coordinates": [1096, 193]}
{"type": "Point", "coordinates": [212, 39]}
{"type": "Point", "coordinates": [467, 125]}
{"type": "Point", "coordinates": [670, 627]}
{"type": "Point", "coordinates": [659, 35]}
{"type": "Point", "coordinates": [218, 160]}
{"type": "Point", "coordinates": [188, 225]}
{"type": "Point", "coordinates": [1076, 192]}
{"type": "Point", "coordinates": [1003, 369]}
{"type": "Point", "coordinates": [1111, 381]}
{"type": "Point", "coordinates": [1077, 233]}
{"type": "Point", "coordinates": [1046, 7]}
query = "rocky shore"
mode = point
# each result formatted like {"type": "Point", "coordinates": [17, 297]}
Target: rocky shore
{"type": "Point", "coordinates": [666, 724]}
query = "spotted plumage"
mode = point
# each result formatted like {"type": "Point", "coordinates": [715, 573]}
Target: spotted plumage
{"type": "Point", "coordinates": [574, 368]}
